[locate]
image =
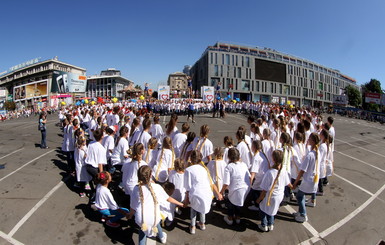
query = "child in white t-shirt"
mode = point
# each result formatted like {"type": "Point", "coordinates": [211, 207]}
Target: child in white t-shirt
{"type": "Point", "coordinates": [105, 202]}
{"type": "Point", "coordinates": [177, 178]}
{"type": "Point", "coordinates": [217, 168]}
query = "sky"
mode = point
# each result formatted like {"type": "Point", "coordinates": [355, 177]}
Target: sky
{"type": "Point", "coordinates": [149, 39]}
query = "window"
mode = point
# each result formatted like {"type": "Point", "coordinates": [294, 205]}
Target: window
{"type": "Point", "coordinates": [243, 63]}
{"type": "Point", "coordinates": [236, 60]}
{"type": "Point", "coordinates": [271, 87]}
{"type": "Point", "coordinates": [223, 59]}
{"type": "Point", "coordinates": [245, 85]}
{"type": "Point", "coordinates": [247, 61]}
{"type": "Point", "coordinates": [257, 86]}
{"type": "Point", "coordinates": [280, 88]}
{"type": "Point", "coordinates": [211, 58]}
{"type": "Point", "coordinates": [320, 86]}
{"type": "Point", "coordinates": [239, 72]}
{"type": "Point", "coordinates": [216, 58]}
{"type": "Point", "coordinates": [311, 74]}
{"type": "Point", "coordinates": [221, 71]}
{"type": "Point", "coordinates": [227, 59]}
{"type": "Point", "coordinates": [305, 90]}
{"type": "Point", "coordinates": [235, 72]}
{"type": "Point", "coordinates": [215, 70]}
{"type": "Point", "coordinates": [232, 59]}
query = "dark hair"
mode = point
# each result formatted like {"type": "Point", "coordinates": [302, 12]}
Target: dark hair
{"type": "Point", "coordinates": [144, 174]}
{"type": "Point", "coordinates": [233, 155]}
{"type": "Point", "coordinates": [109, 130]}
{"type": "Point", "coordinates": [168, 187]}
{"type": "Point", "coordinates": [98, 134]}
{"type": "Point", "coordinates": [257, 145]}
{"type": "Point", "coordinates": [228, 141]}
{"type": "Point", "coordinates": [123, 130]}
{"type": "Point", "coordinates": [286, 139]}
{"type": "Point", "coordinates": [178, 165]}
{"type": "Point", "coordinates": [190, 137]}
{"type": "Point", "coordinates": [103, 177]}
{"type": "Point", "coordinates": [185, 127]}
{"type": "Point", "coordinates": [330, 120]}
{"type": "Point", "coordinates": [196, 157]}
{"type": "Point", "coordinates": [146, 123]}
{"type": "Point", "coordinates": [136, 151]}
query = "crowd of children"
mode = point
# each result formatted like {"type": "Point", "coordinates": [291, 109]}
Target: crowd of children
{"type": "Point", "coordinates": [283, 155]}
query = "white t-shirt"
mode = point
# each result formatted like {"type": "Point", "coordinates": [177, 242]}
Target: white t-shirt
{"type": "Point", "coordinates": [268, 148]}
{"type": "Point", "coordinates": [96, 154]}
{"type": "Point", "coordinates": [81, 171]}
{"type": "Point", "coordinates": [260, 166]}
{"type": "Point", "coordinates": [178, 142]}
{"type": "Point", "coordinates": [130, 175]}
{"type": "Point", "coordinates": [207, 149]}
{"type": "Point", "coordinates": [197, 183]}
{"type": "Point", "coordinates": [156, 131]}
{"type": "Point", "coordinates": [120, 151]}
{"type": "Point", "coordinates": [237, 177]}
{"type": "Point", "coordinates": [244, 152]}
{"type": "Point", "coordinates": [104, 199]}
{"type": "Point", "coordinates": [144, 138]}
{"type": "Point", "coordinates": [217, 166]}
{"type": "Point", "coordinates": [308, 166]}
{"type": "Point", "coordinates": [278, 192]}
{"type": "Point", "coordinates": [178, 180]}
{"type": "Point", "coordinates": [148, 206]}
{"type": "Point", "coordinates": [108, 143]}
{"type": "Point", "coordinates": [165, 164]}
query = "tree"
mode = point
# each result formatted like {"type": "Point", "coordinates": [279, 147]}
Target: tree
{"type": "Point", "coordinates": [10, 105]}
{"type": "Point", "coordinates": [354, 96]}
{"type": "Point", "coordinates": [138, 87]}
{"type": "Point", "coordinates": [373, 86]}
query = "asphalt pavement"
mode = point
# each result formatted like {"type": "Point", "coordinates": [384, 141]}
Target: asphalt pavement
{"type": "Point", "coordinates": [40, 205]}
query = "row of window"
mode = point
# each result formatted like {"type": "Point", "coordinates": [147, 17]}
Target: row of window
{"type": "Point", "coordinates": [228, 59]}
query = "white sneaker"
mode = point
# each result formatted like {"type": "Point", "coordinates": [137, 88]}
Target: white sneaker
{"type": "Point", "coordinates": [270, 227]}
{"type": "Point", "coordinates": [262, 228]}
{"type": "Point", "coordinates": [202, 226]}
{"type": "Point", "coordinates": [227, 220]}
{"type": "Point", "coordinates": [253, 208]}
{"type": "Point", "coordinates": [178, 211]}
{"type": "Point", "coordinates": [292, 197]}
{"type": "Point", "coordinates": [192, 230]}
{"type": "Point", "coordinates": [311, 203]}
{"type": "Point", "coordinates": [301, 218]}
{"type": "Point", "coordinates": [163, 240]}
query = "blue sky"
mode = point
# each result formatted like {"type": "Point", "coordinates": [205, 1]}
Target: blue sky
{"type": "Point", "coordinates": [147, 40]}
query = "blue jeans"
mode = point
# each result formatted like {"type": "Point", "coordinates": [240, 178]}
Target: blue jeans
{"type": "Point", "coordinates": [266, 219]}
{"type": "Point", "coordinates": [193, 217]}
{"type": "Point", "coordinates": [118, 215]}
{"type": "Point", "coordinates": [43, 143]}
{"type": "Point", "coordinates": [301, 202]}
{"type": "Point", "coordinates": [142, 236]}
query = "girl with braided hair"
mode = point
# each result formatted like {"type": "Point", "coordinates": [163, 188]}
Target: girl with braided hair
{"type": "Point", "coordinates": [105, 202]}
{"type": "Point", "coordinates": [145, 203]}
{"type": "Point", "coordinates": [273, 186]}
{"type": "Point", "coordinates": [324, 151]}
{"type": "Point", "coordinates": [309, 172]}
{"type": "Point", "coordinates": [244, 148]}
{"type": "Point", "coordinates": [203, 144]}
{"type": "Point", "coordinates": [130, 168]}
{"type": "Point", "coordinates": [199, 190]}
{"type": "Point", "coordinates": [184, 149]}
{"type": "Point", "coordinates": [164, 162]}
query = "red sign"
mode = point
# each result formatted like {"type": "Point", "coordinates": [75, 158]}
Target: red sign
{"type": "Point", "coordinates": [373, 98]}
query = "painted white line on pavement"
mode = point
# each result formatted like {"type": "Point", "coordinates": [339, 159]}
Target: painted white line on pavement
{"type": "Point", "coordinates": [308, 226]}
{"type": "Point", "coordinates": [362, 140]}
{"type": "Point", "coordinates": [26, 164]}
{"type": "Point", "coordinates": [10, 239]}
{"type": "Point", "coordinates": [221, 120]}
{"type": "Point", "coordinates": [372, 138]}
{"type": "Point", "coordinates": [380, 169]}
{"type": "Point", "coordinates": [11, 153]}
{"type": "Point", "coordinates": [342, 222]}
{"type": "Point", "coordinates": [36, 207]}
{"type": "Point", "coordinates": [361, 148]}
{"type": "Point", "coordinates": [355, 185]}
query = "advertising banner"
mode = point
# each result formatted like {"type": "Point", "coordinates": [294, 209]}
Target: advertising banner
{"type": "Point", "coordinates": [163, 92]}
{"type": "Point", "coordinates": [340, 99]}
{"type": "Point", "coordinates": [208, 93]}
{"type": "Point", "coordinates": [2, 104]}
{"type": "Point", "coordinates": [19, 92]}
{"type": "Point", "coordinates": [36, 89]}
{"type": "Point", "coordinates": [65, 82]}
{"type": "Point", "coordinates": [3, 92]}
{"type": "Point", "coordinates": [373, 98]}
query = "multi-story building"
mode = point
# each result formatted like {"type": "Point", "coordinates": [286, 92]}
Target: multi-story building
{"type": "Point", "coordinates": [108, 84]}
{"type": "Point", "coordinates": [266, 75]}
{"type": "Point", "coordinates": [177, 82]}
{"type": "Point", "coordinates": [36, 83]}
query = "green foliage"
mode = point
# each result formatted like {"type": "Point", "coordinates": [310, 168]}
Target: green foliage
{"type": "Point", "coordinates": [354, 96]}
{"type": "Point", "coordinates": [138, 87]}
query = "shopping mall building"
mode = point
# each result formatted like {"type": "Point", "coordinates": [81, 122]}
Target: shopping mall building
{"type": "Point", "coordinates": [37, 83]}
{"type": "Point", "coordinates": [266, 75]}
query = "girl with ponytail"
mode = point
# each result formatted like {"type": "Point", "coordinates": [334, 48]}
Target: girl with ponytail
{"type": "Point", "coordinates": [164, 162]}
{"type": "Point", "coordinates": [323, 150]}
{"type": "Point", "coordinates": [145, 202]}
{"type": "Point", "coordinates": [130, 168]}
{"type": "Point", "coordinates": [309, 172]}
{"type": "Point", "coordinates": [273, 186]}
{"type": "Point", "coordinates": [203, 144]}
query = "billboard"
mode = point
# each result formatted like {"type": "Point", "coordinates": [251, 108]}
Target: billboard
{"type": "Point", "coordinates": [207, 93]}
{"type": "Point", "coordinates": [373, 98]}
{"type": "Point", "coordinates": [65, 82]}
{"type": "Point", "coordinates": [340, 99]}
{"type": "Point", "coordinates": [163, 92]}
{"type": "Point", "coordinates": [31, 90]}
{"type": "Point", "coordinates": [270, 71]}
{"type": "Point", "coordinates": [3, 92]}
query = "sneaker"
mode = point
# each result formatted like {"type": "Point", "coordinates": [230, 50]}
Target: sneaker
{"type": "Point", "coordinates": [301, 218]}
{"type": "Point", "coordinates": [237, 221]}
{"type": "Point", "coordinates": [296, 214]}
{"type": "Point", "coordinates": [87, 187]}
{"type": "Point", "coordinates": [213, 204]}
{"type": "Point", "coordinates": [104, 218]}
{"type": "Point", "coordinates": [227, 220]}
{"type": "Point", "coordinates": [192, 230]}
{"type": "Point", "coordinates": [270, 227]}
{"type": "Point", "coordinates": [168, 222]}
{"type": "Point", "coordinates": [112, 224]}
{"type": "Point", "coordinates": [76, 184]}
{"type": "Point", "coordinates": [193, 121]}
{"type": "Point", "coordinates": [223, 205]}
{"type": "Point", "coordinates": [292, 197]}
{"type": "Point", "coordinates": [253, 208]}
{"type": "Point", "coordinates": [82, 194]}
{"type": "Point", "coordinates": [311, 203]}
{"type": "Point", "coordinates": [320, 193]}
{"type": "Point", "coordinates": [262, 228]}
{"type": "Point", "coordinates": [202, 226]}
{"type": "Point", "coordinates": [163, 240]}
{"type": "Point", "coordinates": [178, 211]}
